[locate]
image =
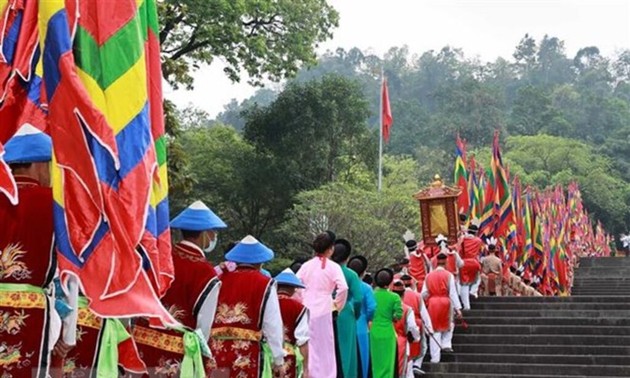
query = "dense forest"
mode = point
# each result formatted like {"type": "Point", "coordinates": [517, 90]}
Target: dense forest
{"type": "Point", "coordinates": [286, 163]}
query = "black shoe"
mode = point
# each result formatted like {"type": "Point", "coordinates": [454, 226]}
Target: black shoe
{"type": "Point", "coordinates": [447, 350]}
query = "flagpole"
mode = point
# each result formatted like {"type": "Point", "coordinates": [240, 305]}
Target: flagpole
{"type": "Point", "coordinates": [380, 135]}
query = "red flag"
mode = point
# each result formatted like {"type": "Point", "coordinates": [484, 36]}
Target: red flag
{"type": "Point", "coordinates": [386, 111]}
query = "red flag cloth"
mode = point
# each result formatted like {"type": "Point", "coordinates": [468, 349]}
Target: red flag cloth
{"type": "Point", "coordinates": [386, 111]}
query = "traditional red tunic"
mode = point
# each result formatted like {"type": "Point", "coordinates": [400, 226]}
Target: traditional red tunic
{"type": "Point", "coordinates": [470, 250]}
{"type": "Point", "coordinates": [162, 350]}
{"type": "Point", "coordinates": [451, 264]}
{"type": "Point", "coordinates": [401, 340]}
{"type": "Point", "coordinates": [412, 299]}
{"type": "Point", "coordinates": [292, 312]}
{"type": "Point", "coordinates": [27, 265]}
{"type": "Point", "coordinates": [237, 329]}
{"type": "Point", "coordinates": [438, 302]}
{"type": "Point", "coordinates": [418, 268]}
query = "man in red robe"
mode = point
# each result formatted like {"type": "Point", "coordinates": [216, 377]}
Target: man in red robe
{"type": "Point", "coordinates": [441, 297]}
{"type": "Point", "coordinates": [192, 297]}
{"type": "Point", "coordinates": [295, 321]}
{"type": "Point", "coordinates": [470, 248]}
{"type": "Point", "coordinates": [248, 311]}
{"type": "Point", "coordinates": [31, 325]}
{"type": "Point", "coordinates": [419, 263]}
{"type": "Point", "coordinates": [453, 260]}
{"type": "Point", "coordinates": [413, 299]}
{"type": "Point", "coordinates": [407, 332]}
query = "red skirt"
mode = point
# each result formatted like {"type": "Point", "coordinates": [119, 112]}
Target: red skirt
{"type": "Point", "coordinates": [469, 272]}
{"type": "Point", "coordinates": [440, 311]}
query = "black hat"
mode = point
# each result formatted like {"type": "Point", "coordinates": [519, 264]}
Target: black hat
{"type": "Point", "coordinates": [398, 286]}
{"type": "Point", "coordinates": [358, 263]}
{"type": "Point", "coordinates": [442, 256]}
{"type": "Point", "coordinates": [368, 279]}
{"type": "Point", "coordinates": [384, 277]}
{"type": "Point", "coordinates": [473, 228]}
{"type": "Point", "coordinates": [412, 245]}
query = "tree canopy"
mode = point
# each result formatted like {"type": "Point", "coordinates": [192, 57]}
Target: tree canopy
{"type": "Point", "coordinates": [268, 39]}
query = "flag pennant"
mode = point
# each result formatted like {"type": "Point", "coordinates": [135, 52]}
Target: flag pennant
{"type": "Point", "coordinates": [461, 177]}
{"type": "Point", "coordinates": [386, 112]}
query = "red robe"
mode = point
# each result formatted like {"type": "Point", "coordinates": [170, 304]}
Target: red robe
{"type": "Point", "coordinates": [470, 250]}
{"type": "Point", "coordinates": [237, 329]}
{"type": "Point", "coordinates": [439, 302]}
{"type": "Point", "coordinates": [26, 258]}
{"type": "Point", "coordinates": [418, 268]}
{"type": "Point", "coordinates": [401, 341]}
{"type": "Point", "coordinates": [451, 264]}
{"type": "Point", "coordinates": [292, 313]}
{"type": "Point", "coordinates": [412, 299]}
{"type": "Point", "coordinates": [162, 350]}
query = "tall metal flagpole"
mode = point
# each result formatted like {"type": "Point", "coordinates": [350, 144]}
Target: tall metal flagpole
{"type": "Point", "coordinates": [380, 135]}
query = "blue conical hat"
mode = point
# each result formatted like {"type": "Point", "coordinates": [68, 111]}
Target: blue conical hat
{"type": "Point", "coordinates": [288, 278]}
{"type": "Point", "coordinates": [28, 145]}
{"type": "Point", "coordinates": [250, 251]}
{"type": "Point", "coordinates": [197, 217]}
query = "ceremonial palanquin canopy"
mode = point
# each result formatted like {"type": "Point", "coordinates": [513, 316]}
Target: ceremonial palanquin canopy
{"type": "Point", "coordinates": [438, 211]}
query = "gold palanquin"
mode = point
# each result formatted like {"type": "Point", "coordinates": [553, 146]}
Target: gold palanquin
{"type": "Point", "coordinates": [438, 211]}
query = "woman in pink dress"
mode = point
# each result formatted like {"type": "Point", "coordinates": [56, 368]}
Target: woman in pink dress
{"type": "Point", "coordinates": [322, 277]}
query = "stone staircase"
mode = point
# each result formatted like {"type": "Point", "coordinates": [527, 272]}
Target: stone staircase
{"type": "Point", "coordinates": [585, 335]}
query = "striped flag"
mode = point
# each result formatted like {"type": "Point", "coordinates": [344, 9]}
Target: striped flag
{"type": "Point", "coordinates": [503, 196]}
{"type": "Point", "coordinates": [105, 158]}
{"type": "Point", "coordinates": [19, 88]}
{"type": "Point", "coordinates": [156, 243]}
{"type": "Point", "coordinates": [461, 176]}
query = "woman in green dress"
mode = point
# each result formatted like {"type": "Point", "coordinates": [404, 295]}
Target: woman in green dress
{"type": "Point", "coordinates": [382, 333]}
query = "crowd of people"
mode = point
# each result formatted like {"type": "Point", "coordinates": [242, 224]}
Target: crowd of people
{"type": "Point", "coordinates": [333, 315]}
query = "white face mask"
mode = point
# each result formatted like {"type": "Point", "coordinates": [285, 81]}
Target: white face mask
{"type": "Point", "coordinates": [211, 245]}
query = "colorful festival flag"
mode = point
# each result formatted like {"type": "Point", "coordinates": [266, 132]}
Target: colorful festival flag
{"type": "Point", "coordinates": [461, 177]}
{"type": "Point", "coordinates": [104, 151]}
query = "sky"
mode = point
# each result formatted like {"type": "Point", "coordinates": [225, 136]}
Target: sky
{"type": "Point", "coordinates": [482, 28]}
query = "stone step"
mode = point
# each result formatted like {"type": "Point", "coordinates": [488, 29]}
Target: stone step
{"type": "Point", "coordinates": [607, 321]}
{"type": "Point", "coordinates": [472, 375]}
{"type": "Point", "coordinates": [549, 339]}
{"type": "Point", "coordinates": [572, 330]}
{"type": "Point", "coordinates": [553, 306]}
{"type": "Point", "coordinates": [573, 298]}
{"type": "Point", "coordinates": [547, 313]}
{"type": "Point", "coordinates": [597, 292]}
{"type": "Point", "coordinates": [532, 369]}
{"type": "Point", "coordinates": [609, 350]}
{"type": "Point", "coordinates": [604, 262]}
{"type": "Point", "coordinates": [576, 359]}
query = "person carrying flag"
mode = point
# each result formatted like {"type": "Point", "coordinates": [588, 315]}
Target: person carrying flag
{"type": "Point", "coordinates": [407, 332]}
{"type": "Point", "coordinates": [32, 326]}
{"type": "Point", "coordinates": [295, 320]}
{"type": "Point", "coordinates": [192, 296]}
{"type": "Point", "coordinates": [440, 294]}
{"type": "Point", "coordinates": [492, 270]}
{"type": "Point", "coordinates": [248, 313]}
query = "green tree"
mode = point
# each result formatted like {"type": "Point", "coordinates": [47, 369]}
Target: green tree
{"type": "Point", "coordinates": [314, 129]}
{"type": "Point", "coordinates": [235, 180]}
{"type": "Point", "coordinates": [266, 39]}
{"type": "Point", "coordinates": [373, 222]}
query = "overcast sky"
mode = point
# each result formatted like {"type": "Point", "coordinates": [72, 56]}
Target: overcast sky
{"type": "Point", "coordinates": [483, 28]}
